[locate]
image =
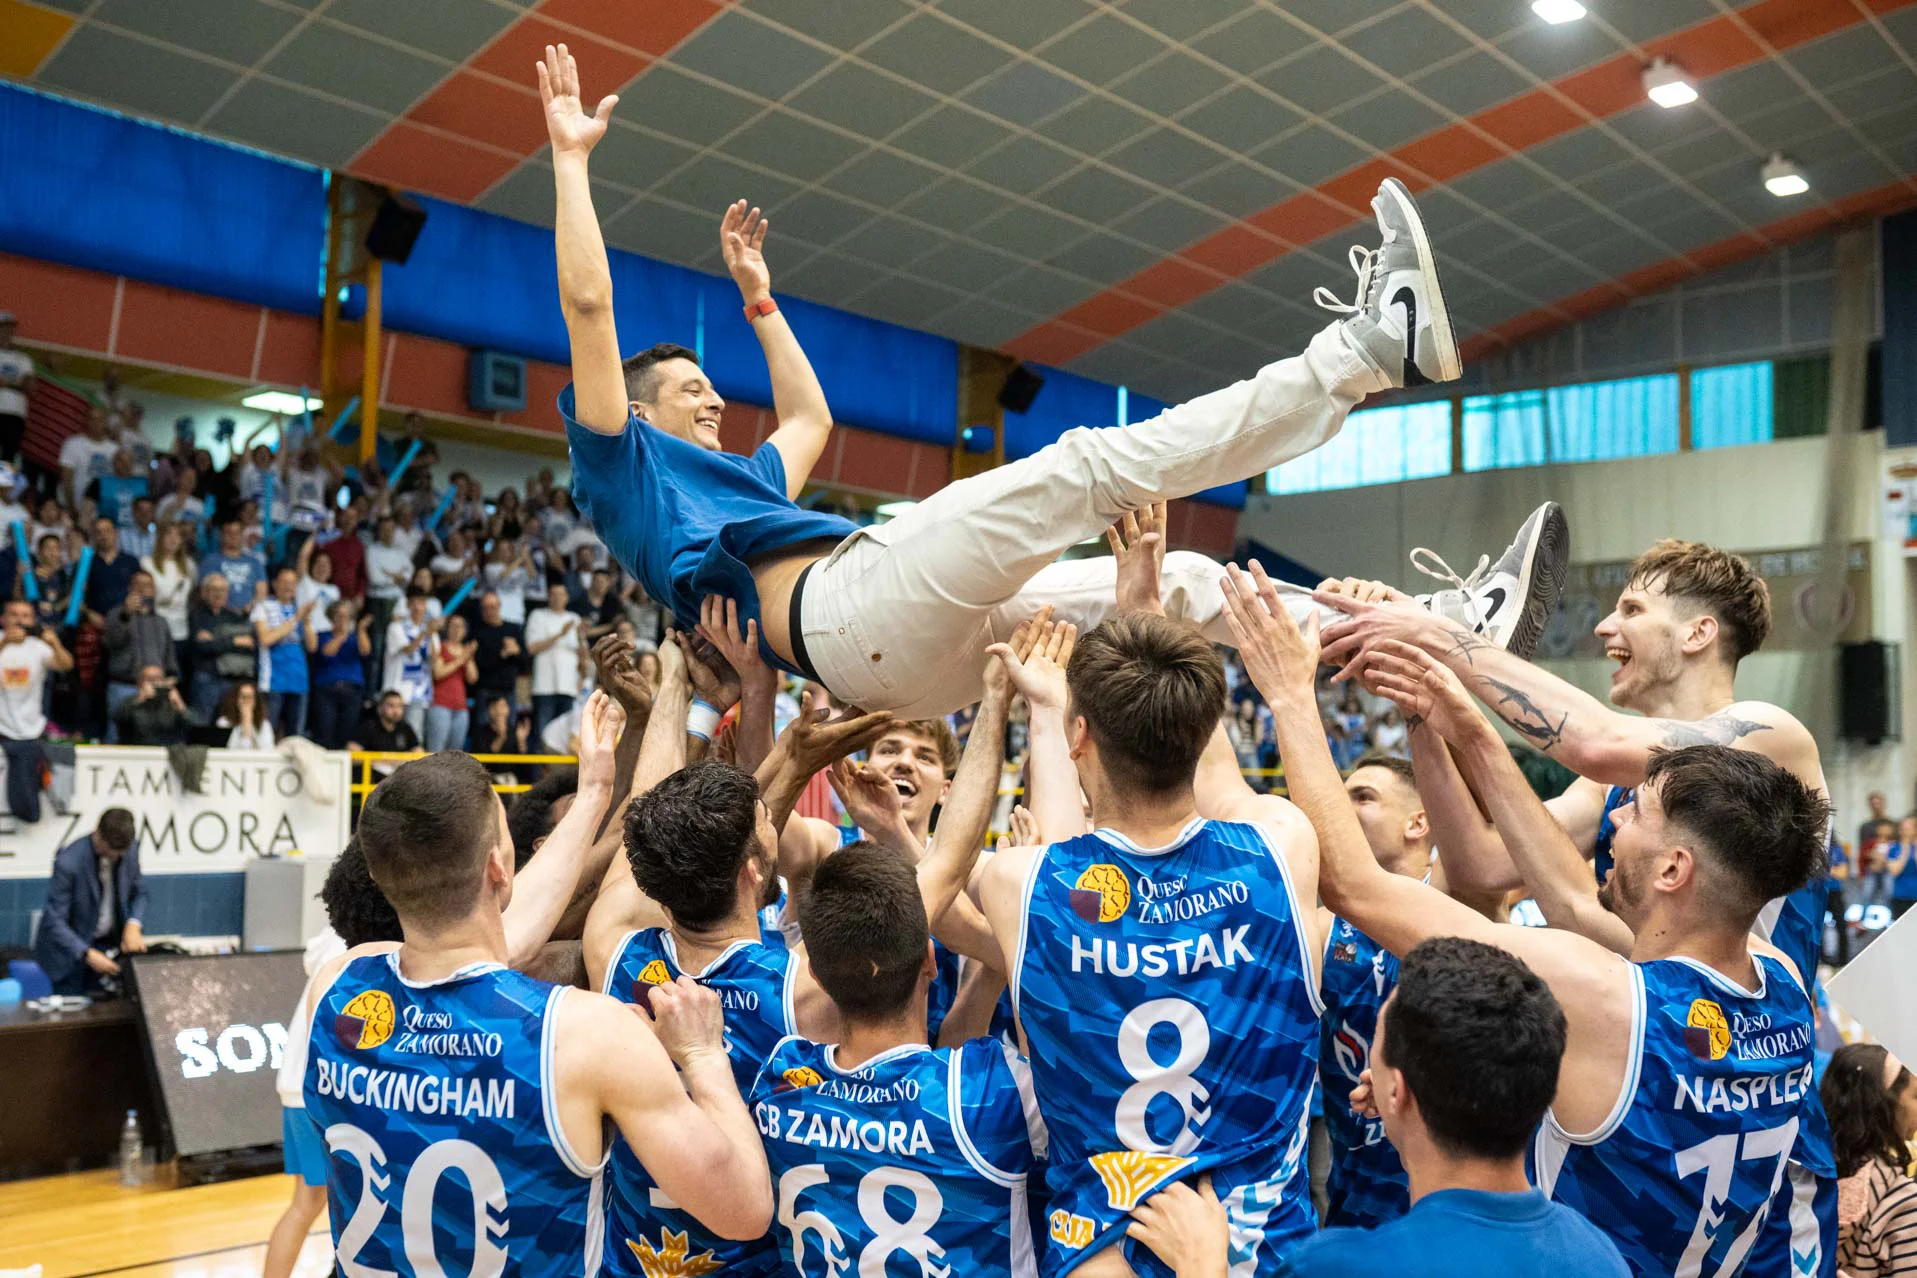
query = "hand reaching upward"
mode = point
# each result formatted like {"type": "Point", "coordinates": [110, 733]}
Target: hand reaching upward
{"type": "Point", "coordinates": [1138, 544]}
{"type": "Point", "coordinates": [569, 126]}
{"type": "Point", "coordinates": [742, 241]}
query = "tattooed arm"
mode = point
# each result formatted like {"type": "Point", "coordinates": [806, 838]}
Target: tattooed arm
{"type": "Point", "coordinates": [1563, 721]}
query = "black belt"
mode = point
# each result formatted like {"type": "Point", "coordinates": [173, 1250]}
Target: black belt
{"type": "Point", "coordinates": [796, 630]}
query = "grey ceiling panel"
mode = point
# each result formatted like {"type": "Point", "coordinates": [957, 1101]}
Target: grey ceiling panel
{"type": "Point", "coordinates": [1022, 164]}
{"type": "Point", "coordinates": [1169, 224]}
{"type": "Point", "coordinates": [305, 126]}
{"type": "Point", "coordinates": [835, 22]}
{"type": "Point", "coordinates": [1171, 84]}
{"type": "Point", "coordinates": [1320, 79]}
{"type": "Point", "coordinates": [1102, 50]}
{"type": "Point", "coordinates": [1241, 118]}
{"type": "Point", "coordinates": [450, 29]}
{"type": "Point", "coordinates": [955, 204]}
{"type": "Point", "coordinates": [1311, 155]}
{"type": "Point", "coordinates": [862, 100]}
{"type": "Point", "coordinates": [1095, 125]}
{"type": "Point", "coordinates": [1023, 93]}
{"type": "Point", "coordinates": [1258, 38]}
{"type": "Point", "coordinates": [751, 56]}
{"type": "Point", "coordinates": [934, 55]}
{"type": "Point", "coordinates": [1472, 83]}
{"type": "Point", "coordinates": [1097, 195]}
{"type": "Point", "coordinates": [236, 30]}
{"type": "Point", "coordinates": [1406, 42]}
{"type": "Point", "coordinates": [672, 102]}
{"type": "Point", "coordinates": [104, 66]}
{"type": "Point", "coordinates": [1023, 23]}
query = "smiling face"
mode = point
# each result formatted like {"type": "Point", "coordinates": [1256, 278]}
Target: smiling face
{"type": "Point", "coordinates": [1646, 636]}
{"type": "Point", "coordinates": [683, 403]}
{"type": "Point", "coordinates": [913, 760]}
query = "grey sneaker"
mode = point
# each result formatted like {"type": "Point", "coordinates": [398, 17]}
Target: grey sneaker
{"type": "Point", "coordinates": [1511, 601]}
{"type": "Point", "coordinates": [1399, 320]}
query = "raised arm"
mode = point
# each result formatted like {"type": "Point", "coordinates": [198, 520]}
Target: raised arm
{"type": "Point", "coordinates": [585, 275]}
{"type": "Point", "coordinates": [805, 420]}
{"type": "Point", "coordinates": [947, 868]}
{"type": "Point", "coordinates": [1558, 877]}
{"type": "Point", "coordinates": [758, 682]}
{"type": "Point", "coordinates": [551, 881]}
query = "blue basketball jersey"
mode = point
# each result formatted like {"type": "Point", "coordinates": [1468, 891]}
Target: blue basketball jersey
{"type": "Point", "coordinates": [1170, 1003]}
{"type": "Point", "coordinates": [646, 1234]}
{"type": "Point", "coordinates": [444, 1148]}
{"type": "Point", "coordinates": [1614, 798]}
{"type": "Point", "coordinates": [779, 921]}
{"type": "Point", "coordinates": [1367, 1184]}
{"type": "Point", "coordinates": [913, 1164]}
{"type": "Point", "coordinates": [1683, 1172]}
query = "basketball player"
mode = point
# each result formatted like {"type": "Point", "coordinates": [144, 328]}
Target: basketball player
{"type": "Point", "coordinates": [1676, 1144]}
{"type": "Point", "coordinates": [437, 1059]}
{"type": "Point", "coordinates": [1685, 619]}
{"type": "Point", "coordinates": [701, 845]}
{"type": "Point", "coordinates": [969, 563]}
{"type": "Point", "coordinates": [1163, 967]}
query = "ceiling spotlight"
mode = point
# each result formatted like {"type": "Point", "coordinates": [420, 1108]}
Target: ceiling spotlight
{"type": "Point", "coordinates": [1665, 83]}
{"type": "Point", "coordinates": [1556, 11]}
{"type": "Point", "coordinates": [1782, 178]}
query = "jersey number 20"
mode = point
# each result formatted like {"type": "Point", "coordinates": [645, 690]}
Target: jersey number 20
{"type": "Point", "coordinates": [416, 1203]}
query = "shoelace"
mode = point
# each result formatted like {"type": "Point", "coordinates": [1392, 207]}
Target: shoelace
{"type": "Point", "coordinates": [1364, 261]}
{"type": "Point", "coordinates": [1466, 586]}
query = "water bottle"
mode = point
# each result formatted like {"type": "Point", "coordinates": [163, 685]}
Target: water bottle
{"type": "Point", "coordinates": [131, 1165]}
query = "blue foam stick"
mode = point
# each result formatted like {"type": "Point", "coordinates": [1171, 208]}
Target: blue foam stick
{"type": "Point", "coordinates": [406, 459]}
{"type": "Point", "coordinates": [459, 596]}
{"type": "Point", "coordinates": [79, 585]}
{"type": "Point", "coordinates": [338, 431]}
{"type": "Point", "coordinates": [24, 564]}
{"type": "Point", "coordinates": [445, 504]}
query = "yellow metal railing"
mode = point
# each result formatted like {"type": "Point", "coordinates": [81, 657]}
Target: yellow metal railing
{"type": "Point", "coordinates": [364, 760]}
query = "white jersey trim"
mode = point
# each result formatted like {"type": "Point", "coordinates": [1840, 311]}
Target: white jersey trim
{"type": "Point", "coordinates": [1185, 836]}
{"type": "Point", "coordinates": [595, 1250]}
{"type": "Point", "coordinates": [1626, 1094]}
{"type": "Point", "coordinates": [1024, 933]}
{"type": "Point", "coordinates": [1314, 977]}
{"type": "Point", "coordinates": [955, 1114]}
{"type": "Point", "coordinates": [1035, 1129]}
{"type": "Point", "coordinates": [1724, 982]}
{"type": "Point", "coordinates": [549, 1095]}
{"type": "Point", "coordinates": [471, 969]}
{"type": "Point", "coordinates": [612, 964]}
{"type": "Point", "coordinates": [831, 1057]}
{"type": "Point", "coordinates": [789, 994]}
{"type": "Point", "coordinates": [671, 947]}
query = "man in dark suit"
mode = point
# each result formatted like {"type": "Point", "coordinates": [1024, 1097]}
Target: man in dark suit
{"type": "Point", "coordinates": [94, 906]}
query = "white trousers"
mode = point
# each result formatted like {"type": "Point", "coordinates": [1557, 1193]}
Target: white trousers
{"type": "Point", "coordinates": [899, 615]}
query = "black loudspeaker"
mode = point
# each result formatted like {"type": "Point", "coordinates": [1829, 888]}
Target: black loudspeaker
{"type": "Point", "coordinates": [1021, 387]}
{"type": "Point", "coordinates": [1868, 694]}
{"type": "Point", "coordinates": [396, 226]}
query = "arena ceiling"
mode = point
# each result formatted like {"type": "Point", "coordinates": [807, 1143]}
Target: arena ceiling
{"type": "Point", "coordinates": [1144, 191]}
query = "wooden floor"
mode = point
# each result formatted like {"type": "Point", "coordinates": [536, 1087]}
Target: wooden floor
{"type": "Point", "coordinates": [86, 1224]}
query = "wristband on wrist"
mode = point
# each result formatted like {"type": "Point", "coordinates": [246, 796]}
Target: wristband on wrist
{"type": "Point", "coordinates": [702, 720]}
{"type": "Point", "coordinates": [754, 310]}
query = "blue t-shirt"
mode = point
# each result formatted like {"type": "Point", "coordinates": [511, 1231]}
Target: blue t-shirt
{"type": "Point", "coordinates": [344, 666]}
{"type": "Point", "coordinates": [243, 572]}
{"type": "Point", "coordinates": [117, 494]}
{"type": "Point", "coordinates": [1464, 1233]}
{"type": "Point", "coordinates": [685, 521]}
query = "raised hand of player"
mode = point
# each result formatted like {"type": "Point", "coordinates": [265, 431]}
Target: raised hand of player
{"type": "Point", "coordinates": [688, 1020]}
{"type": "Point", "coordinates": [1421, 686]}
{"type": "Point", "coordinates": [1024, 831]}
{"type": "Point", "coordinates": [1039, 675]}
{"type": "Point", "coordinates": [742, 242]}
{"type": "Point", "coordinates": [613, 657]}
{"type": "Point", "coordinates": [672, 660]}
{"type": "Point", "coordinates": [719, 627]}
{"type": "Point", "coordinates": [998, 676]}
{"type": "Point", "coordinates": [599, 727]}
{"type": "Point", "coordinates": [568, 124]}
{"type": "Point", "coordinates": [870, 799]}
{"type": "Point", "coordinates": [1138, 544]}
{"type": "Point", "coordinates": [814, 741]}
{"type": "Point", "coordinates": [1372, 620]}
{"type": "Point", "coordinates": [1185, 1227]}
{"type": "Point", "coordinates": [1363, 591]}
{"type": "Point", "coordinates": [1279, 657]}
{"type": "Point", "coordinates": [714, 681]}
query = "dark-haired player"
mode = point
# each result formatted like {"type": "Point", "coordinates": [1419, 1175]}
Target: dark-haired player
{"type": "Point", "coordinates": [975, 559]}
{"type": "Point", "coordinates": [465, 1105]}
{"type": "Point", "coordinates": [1675, 1145]}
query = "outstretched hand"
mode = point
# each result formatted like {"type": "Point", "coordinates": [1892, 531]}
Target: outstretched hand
{"type": "Point", "coordinates": [813, 741]}
{"type": "Point", "coordinates": [599, 727]}
{"type": "Point", "coordinates": [719, 627]}
{"type": "Point", "coordinates": [869, 797]}
{"type": "Point", "coordinates": [998, 677]}
{"type": "Point", "coordinates": [613, 658]}
{"type": "Point", "coordinates": [1039, 676]}
{"type": "Point", "coordinates": [568, 125]}
{"type": "Point", "coordinates": [742, 242]}
{"type": "Point", "coordinates": [1138, 544]}
{"type": "Point", "coordinates": [1421, 686]}
{"type": "Point", "coordinates": [1279, 657]}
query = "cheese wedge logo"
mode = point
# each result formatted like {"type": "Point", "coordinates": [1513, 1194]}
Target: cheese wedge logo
{"type": "Point", "coordinates": [366, 1021]}
{"type": "Point", "coordinates": [802, 1076]}
{"type": "Point", "coordinates": [1102, 894]}
{"type": "Point", "coordinates": [653, 973]}
{"type": "Point", "coordinates": [1706, 1032]}
{"type": "Point", "coordinates": [1129, 1174]}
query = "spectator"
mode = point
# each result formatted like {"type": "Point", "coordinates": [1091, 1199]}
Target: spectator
{"type": "Point", "coordinates": [423, 583]}
{"type": "Point", "coordinates": [53, 580]}
{"type": "Point", "coordinates": [243, 717]}
{"type": "Point", "coordinates": [111, 573]}
{"type": "Point", "coordinates": [504, 732]}
{"type": "Point", "coordinates": [243, 570]}
{"type": "Point", "coordinates": [1241, 726]}
{"type": "Point", "coordinates": [222, 645]}
{"type": "Point", "coordinates": [284, 637]}
{"type": "Point", "coordinates": [386, 730]}
{"type": "Point", "coordinates": [504, 525]}
{"type": "Point", "coordinates": [136, 638]}
{"type": "Point", "coordinates": [16, 383]}
{"type": "Point", "coordinates": [559, 521]}
{"type": "Point", "coordinates": [501, 655]}
{"type": "Point", "coordinates": [113, 492]}
{"type": "Point", "coordinates": [86, 457]}
{"type": "Point", "coordinates": [95, 902]}
{"type": "Point", "coordinates": [448, 719]}
{"type": "Point", "coordinates": [316, 586]}
{"type": "Point", "coordinates": [600, 606]}
{"type": "Point", "coordinates": [339, 675]}
{"type": "Point", "coordinates": [1876, 885]}
{"type": "Point", "coordinates": [307, 486]}
{"type": "Point", "coordinates": [1871, 1102]}
{"type": "Point", "coordinates": [185, 505]}
{"type": "Point", "coordinates": [388, 570]}
{"type": "Point", "coordinates": [25, 659]}
{"type": "Point", "coordinates": [456, 562]}
{"type": "Point", "coordinates": [14, 492]}
{"type": "Point", "coordinates": [155, 715]}
{"type": "Point", "coordinates": [408, 665]}
{"type": "Point", "coordinates": [348, 554]}
{"type": "Point", "coordinates": [1902, 867]}
{"type": "Point", "coordinates": [1879, 812]}
{"type": "Point", "coordinates": [137, 531]}
{"type": "Point", "coordinates": [53, 520]}
{"type": "Point", "coordinates": [173, 573]}
{"type": "Point", "coordinates": [558, 658]}
{"type": "Point", "coordinates": [1390, 736]}
{"type": "Point", "coordinates": [508, 575]}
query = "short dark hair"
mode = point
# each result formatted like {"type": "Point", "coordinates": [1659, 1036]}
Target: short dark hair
{"type": "Point", "coordinates": [1396, 765]}
{"type": "Point", "coordinates": [1764, 831]}
{"type": "Point", "coordinates": [530, 817]}
{"type": "Point", "coordinates": [1715, 581]}
{"type": "Point", "coordinates": [687, 837]}
{"type": "Point", "coordinates": [1151, 691]}
{"type": "Point", "coordinates": [116, 829]}
{"type": "Point", "coordinates": [642, 377]}
{"type": "Point", "coordinates": [1862, 1111]}
{"type": "Point", "coordinates": [426, 831]}
{"type": "Point", "coordinates": [1479, 1039]}
{"type": "Point", "coordinates": [355, 907]}
{"type": "Point", "coordinates": [865, 930]}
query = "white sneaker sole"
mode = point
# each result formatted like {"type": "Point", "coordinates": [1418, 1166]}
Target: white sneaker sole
{"type": "Point", "coordinates": [1450, 366]}
{"type": "Point", "coordinates": [1541, 580]}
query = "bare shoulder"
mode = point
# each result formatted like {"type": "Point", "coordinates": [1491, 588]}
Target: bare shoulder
{"type": "Point", "coordinates": [329, 971]}
{"type": "Point", "coordinates": [1761, 946]}
{"type": "Point", "coordinates": [1004, 872]}
{"type": "Point", "coordinates": [1757, 726]}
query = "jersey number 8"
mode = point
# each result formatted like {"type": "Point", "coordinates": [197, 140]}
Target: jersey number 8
{"type": "Point", "coordinates": [889, 1234]}
{"type": "Point", "coordinates": [1154, 1079]}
